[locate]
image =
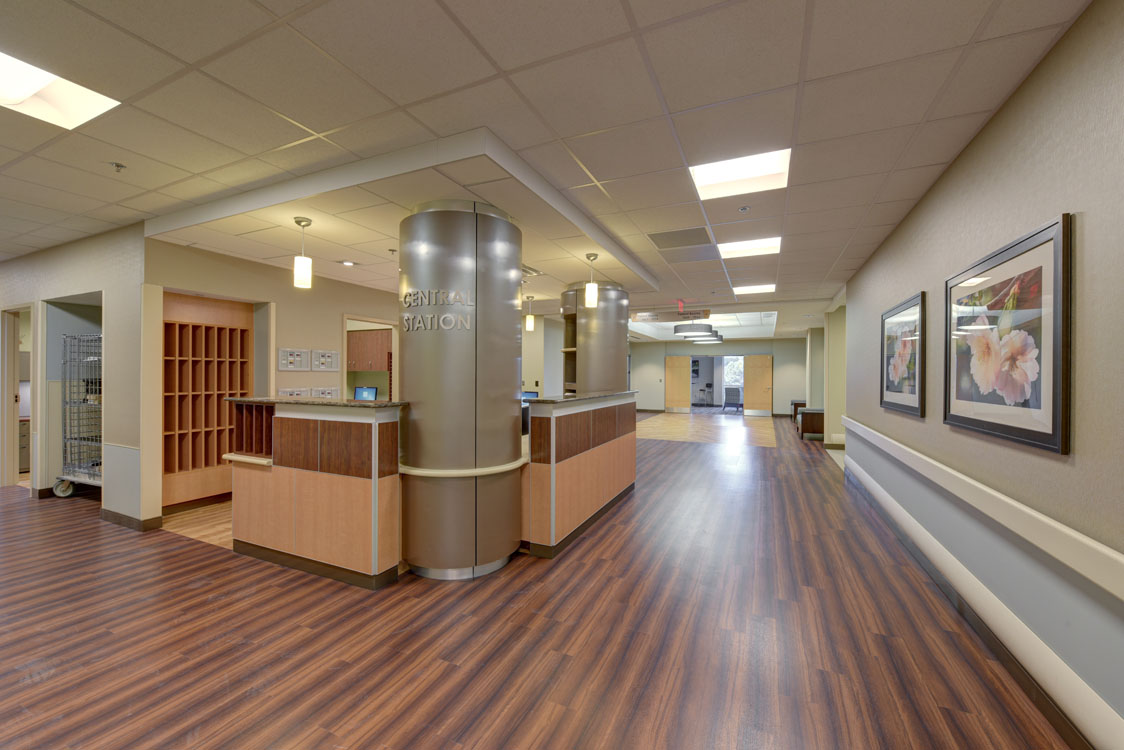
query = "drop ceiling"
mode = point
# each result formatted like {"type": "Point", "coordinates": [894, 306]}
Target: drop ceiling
{"type": "Point", "coordinates": [610, 102]}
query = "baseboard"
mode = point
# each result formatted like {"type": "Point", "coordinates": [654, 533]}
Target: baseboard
{"type": "Point", "coordinates": [654, 411]}
{"type": "Point", "coordinates": [136, 524]}
{"type": "Point", "coordinates": [835, 446]}
{"type": "Point", "coordinates": [171, 510]}
{"type": "Point", "coordinates": [951, 577]}
{"type": "Point", "coordinates": [551, 551]}
{"type": "Point", "coordinates": [355, 578]}
{"type": "Point", "coordinates": [43, 492]}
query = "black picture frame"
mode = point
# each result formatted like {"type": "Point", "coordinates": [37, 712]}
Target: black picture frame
{"type": "Point", "coordinates": [1057, 439]}
{"type": "Point", "coordinates": [918, 410]}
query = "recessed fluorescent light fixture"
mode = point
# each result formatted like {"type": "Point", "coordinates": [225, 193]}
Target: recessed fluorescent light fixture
{"type": "Point", "coordinates": [35, 92]}
{"type": "Point", "coordinates": [755, 289]}
{"type": "Point", "coordinates": [975, 281]}
{"type": "Point", "coordinates": [746, 248]}
{"type": "Point", "coordinates": [746, 174]}
{"type": "Point", "coordinates": [348, 263]}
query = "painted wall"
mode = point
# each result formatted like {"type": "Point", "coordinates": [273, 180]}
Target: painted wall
{"type": "Point", "coordinates": [553, 332]}
{"type": "Point", "coordinates": [533, 349]}
{"type": "Point", "coordinates": [835, 374]}
{"type": "Point", "coordinates": [1055, 147]}
{"type": "Point", "coordinates": [25, 330]}
{"type": "Point", "coordinates": [813, 377]}
{"type": "Point", "coordinates": [788, 367]}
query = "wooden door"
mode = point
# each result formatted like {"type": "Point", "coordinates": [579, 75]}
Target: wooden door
{"type": "Point", "coordinates": [758, 379]}
{"type": "Point", "coordinates": [677, 384]}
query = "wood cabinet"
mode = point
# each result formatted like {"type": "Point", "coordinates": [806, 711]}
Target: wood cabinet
{"type": "Point", "coordinates": [368, 351]}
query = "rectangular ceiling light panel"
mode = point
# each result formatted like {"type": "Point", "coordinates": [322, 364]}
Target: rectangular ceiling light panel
{"type": "Point", "coordinates": [747, 248]}
{"type": "Point", "coordinates": [35, 92]}
{"type": "Point", "coordinates": [746, 174]}
{"type": "Point", "coordinates": [755, 289]}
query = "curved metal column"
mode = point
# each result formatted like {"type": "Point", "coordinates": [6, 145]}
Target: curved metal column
{"type": "Point", "coordinates": [602, 337]}
{"type": "Point", "coordinates": [460, 346]}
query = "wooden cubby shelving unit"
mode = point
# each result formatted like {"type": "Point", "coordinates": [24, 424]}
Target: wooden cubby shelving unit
{"type": "Point", "coordinates": [253, 430]}
{"type": "Point", "coordinates": [208, 357]}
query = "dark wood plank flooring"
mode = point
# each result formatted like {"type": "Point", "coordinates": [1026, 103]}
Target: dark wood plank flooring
{"type": "Point", "coordinates": [740, 598]}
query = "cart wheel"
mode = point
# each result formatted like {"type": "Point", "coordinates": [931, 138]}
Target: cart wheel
{"type": "Point", "coordinates": [63, 488]}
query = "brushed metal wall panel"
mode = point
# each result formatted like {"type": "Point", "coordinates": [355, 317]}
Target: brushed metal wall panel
{"type": "Point", "coordinates": [498, 509]}
{"type": "Point", "coordinates": [439, 521]}
{"type": "Point", "coordinates": [602, 339]}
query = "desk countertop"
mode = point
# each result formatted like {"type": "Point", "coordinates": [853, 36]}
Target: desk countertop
{"type": "Point", "coordinates": [319, 402]}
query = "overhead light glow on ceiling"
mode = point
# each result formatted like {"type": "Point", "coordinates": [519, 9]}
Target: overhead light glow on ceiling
{"type": "Point", "coordinates": [747, 248]}
{"type": "Point", "coordinates": [975, 281]}
{"type": "Point", "coordinates": [755, 289]}
{"type": "Point", "coordinates": [35, 92]}
{"type": "Point", "coordinates": [746, 174]}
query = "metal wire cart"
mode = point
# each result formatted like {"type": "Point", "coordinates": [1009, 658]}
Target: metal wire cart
{"type": "Point", "coordinates": [81, 412]}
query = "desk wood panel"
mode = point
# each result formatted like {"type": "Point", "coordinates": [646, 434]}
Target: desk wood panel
{"type": "Point", "coordinates": [539, 522]}
{"type": "Point", "coordinates": [572, 435]}
{"type": "Point", "coordinates": [263, 511]}
{"type": "Point", "coordinates": [332, 518]}
{"type": "Point", "coordinates": [390, 522]}
{"type": "Point", "coordinates": [388, 449]}
{"type": "Point", "coordinates": [626, 419]}
{"type": "Point", "coordinates": [296, 443]}
{"type": "Point", "coordinates": [345, 448]}
{"type": "Point", "coordinates": [540, 440]}
{"type": "Point", "coordinates": [604, 425]}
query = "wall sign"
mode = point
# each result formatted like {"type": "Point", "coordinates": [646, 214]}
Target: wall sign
{"type": "Point", "coordinates": [427, 310]}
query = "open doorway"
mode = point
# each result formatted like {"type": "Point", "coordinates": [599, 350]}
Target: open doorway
{"type": "Point", "coordinates": [15, 456]}
{"type": "Point", "coordinates": [716, 384]}
{"type": "Point", "coordinates": [370, 349]}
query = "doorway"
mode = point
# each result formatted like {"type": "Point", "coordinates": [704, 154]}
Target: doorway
{"type": "Point", "coordinates": [15, 435]}
{"type": "Point", "coordinates": [370, 349]}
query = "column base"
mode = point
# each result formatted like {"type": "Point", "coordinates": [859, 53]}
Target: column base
{"type": "Point", "coordinates": [461, 574]}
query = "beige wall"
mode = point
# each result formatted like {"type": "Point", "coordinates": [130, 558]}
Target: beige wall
{"type": "Point", "coordinates": [534, 343]}
{"type": "Point", "coordinates": [788, 367]}
{"type": "Point", "coordinates": [835, 374]}
{"type": "Point", "coordinates": [813, 377]}
{"type": "Point", "coordinates": [1056, 146]}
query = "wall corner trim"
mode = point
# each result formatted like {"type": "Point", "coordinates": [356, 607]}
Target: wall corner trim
{"type": "Point", "coordinates": [1095, 718]}
{"type": "Point", "coordinates": [1093, 560]}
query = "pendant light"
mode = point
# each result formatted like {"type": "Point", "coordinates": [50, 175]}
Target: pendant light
{"type": "Point", "coordinates": [302, 264]}
{"type": "Point", "coordinates": [694, 330]}
{"type": "Point", "coordinates": [530, 315]}
{"type": "Point", "coordinates": [591, 286]}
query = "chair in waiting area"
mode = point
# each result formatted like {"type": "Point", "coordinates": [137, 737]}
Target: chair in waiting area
{"type": "Point", "coordinates": [796, 404]}
{"type": "Point", "coordinates": [733, 398]}
{"type": "Point", "coordinates": [809, 422]}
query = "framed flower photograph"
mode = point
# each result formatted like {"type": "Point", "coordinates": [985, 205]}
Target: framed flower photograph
{"type": "Point", "coordinates": [1007, 341]}
{"type": "Point", "coordinates": [903, 357]}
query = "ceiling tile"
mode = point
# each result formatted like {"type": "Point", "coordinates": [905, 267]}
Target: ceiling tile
{"type": "Point", "coordinates": [23, 133]}
{"type": "Point", "coordinates": [39, 195]}
{"type": "Point", "coordinates": [248, 173]}
{"type": "Point", "coordinates": [198, 189]}
{"type": "Point", "coordinates": [382, 134]}
{"type": "Point", "coordinates": [65, 40]}
{"type": "Point", "coordinates": [909, 183]}
{"type": "Point", "coordinates": [651, 190]}
{"type": "Point", "coordinates": [690, 254]}
{"type": "Point", "coordinates": [307, 157]}
{"type": "Point", "coordinates": [419, 51]}
{"type": "Point", "coordinates": [869, 153]}
{"type": "Point", "coordinates": [473, 171]}
{"type": "Point", "coordinates": [630, 150]}
{"type": "Point", "coordinates": [666, 218]}
{"type": "Point", "coordinates": [820, 196]}
{"type": "Point", "coordinates": [847, 35]}
{"type": "Point", "coordinates": [884, 97]}
{"type": "Point", "coordinates": [286, 73]}
{"type": "Point", "coordinates": [737, 50]}
{"type": "Point", "coordinates": [240, 224]}
{"type": "Point", "coordinates": [820, 221]}
{"type": "Point", "coordinates": [120, 215]}
{"type": "Point", "coordinates": [591, 90]}
{"type": "Point", "coordinates": [83, 152]}
{"type": "Point", "coordinates": [941, 141]}
{"type": "Point", "coordinates": [188, 29]}
{"type": "Point", "coordinates": [890, 212]}
{"type": "Point", "coordinates": [141, 132]}
{"type": "Point", "coordinates": [55, 235]}
{"type": "Point", "coordinates": [383, 219]}
{"type": "Point", "coordinates": [872, 234]}
{"type": "Point", "coordinates": [593, 199]}
{"type": "Point", "coordinates": [494, 105]}
{"type": "Point", "coordinates": [209, 108]}
{"type": "Point", "coordinates": [753, 229]}
{"type": "Point", "coordinates": [344, 199]}
{"type": "Point", "coordinates": [758, 206]}
{"type": "Point", "coordinates": [555, 163]}
{"type": "Point", "coordinates": [621, 226]}
{"type": "Point", "coordinates": [527, 208]}
{"type": "Point", "coordinates": [62, 177]}
{"type": "Point", "coordinates": [516, 34]}
{"type": "Point", "coordinates": [7, 155]}
{"type": "Point", "coordinates": [991, 72]}
{"type": "Point", "coordinates": [14, 226]}
{"type": "Point", "coordinates": [739, 128]}
{"type": "Point", "coordinates": [1014, 16]}
{"type": "Point", "coordinates": [86, 224]}
{"type": "Point", "coordinates": [155, 203]}
{"type": "Point", "coordinates": [414, 188]}
{"type": "Point", "coordinates": [648, 12]}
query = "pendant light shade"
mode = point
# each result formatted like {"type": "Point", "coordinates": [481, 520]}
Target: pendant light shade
{"type": "Point", "coordinates": [302, 264]}
{"type": "Point", "coordinates": [530, 317]}
{"type": "Point", "coordinates": [694, 330]}
{"type": "Point", "coordinates": [591, 285]}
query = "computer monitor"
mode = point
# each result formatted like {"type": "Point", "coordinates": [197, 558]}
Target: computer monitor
{"type": "Point", "coordinates": [366, 393]}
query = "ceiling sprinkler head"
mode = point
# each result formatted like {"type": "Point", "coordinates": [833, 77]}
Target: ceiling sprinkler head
{"type": "Point", "coordinates": [743, 209]}
{"type": "Point", "coordinates": [302, 221]}
{"type": "Point", "coordinates": [117, 166]}
{"type": "Point", "coordinates": [591, 257]}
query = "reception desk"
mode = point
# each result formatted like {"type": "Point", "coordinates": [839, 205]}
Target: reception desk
{"type": "Point", "coordinates": [316, 486]}
{"type": "Point", "coordinates": [583, 462]}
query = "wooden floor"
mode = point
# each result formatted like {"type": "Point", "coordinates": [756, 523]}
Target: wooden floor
{"type": "Point", "coordinates": [209, 523]}
{"type": "Point", "coordinates": [728, 429]}
{"type": "Point", "coordinates": [741, 597]}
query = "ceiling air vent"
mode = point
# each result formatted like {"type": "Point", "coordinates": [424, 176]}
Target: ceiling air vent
{"type": "Point", "coordinates": [680, 238]}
